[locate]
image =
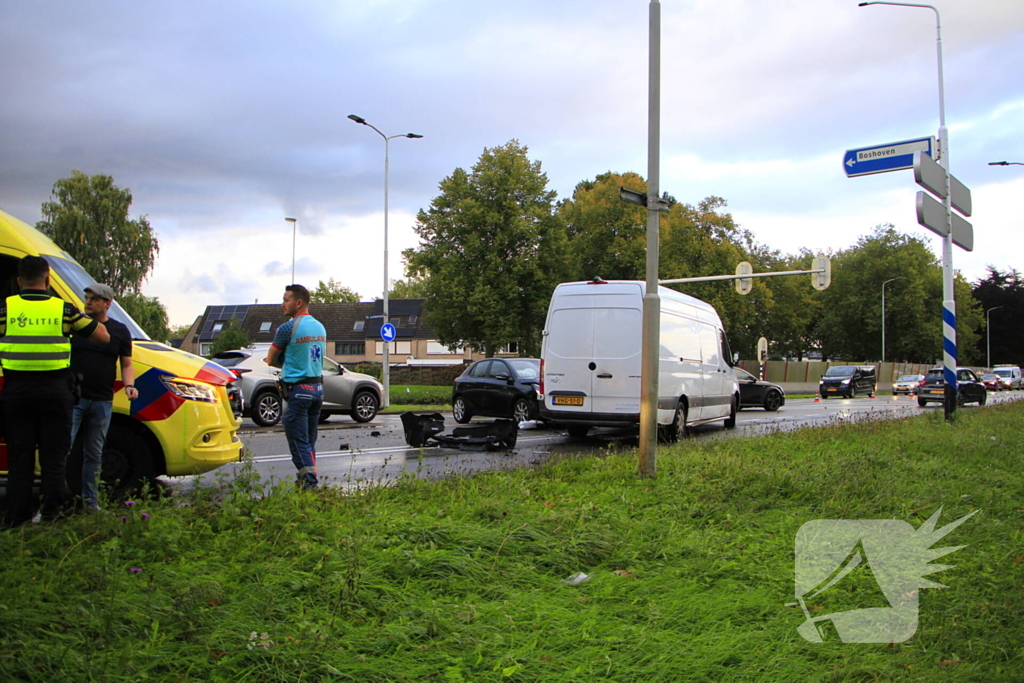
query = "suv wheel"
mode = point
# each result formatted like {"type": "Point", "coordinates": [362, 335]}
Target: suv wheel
{"type": "Point", "coordinates": [266, 408]}
{"type": "Point", "coordinates": [772, 401]}
{"type": "Point", "coordinates": [364, 407]}
{"type": "Point", "coordinates": [459, 411]}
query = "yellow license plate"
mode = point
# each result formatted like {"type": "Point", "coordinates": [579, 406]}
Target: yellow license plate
{"type": "Point", "coordinates": [567, 400]}
{"type": "Point", "coordinates": [937, 391]}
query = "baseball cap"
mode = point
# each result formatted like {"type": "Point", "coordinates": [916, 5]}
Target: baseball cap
{"type": "Point", "coordinates": [101, 291]}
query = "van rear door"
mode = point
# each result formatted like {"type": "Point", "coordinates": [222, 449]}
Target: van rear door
{"type": "Point", "coordinates": [592, 349]}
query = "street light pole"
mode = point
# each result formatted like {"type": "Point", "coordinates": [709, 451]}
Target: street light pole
{"type": "Point", "coordinates": [1005, 163]}
{"type": "Point", "coordinates": [386, 374]}
{"type": "Point", "coordinates": [949, 353]}
{"type": "Point", "coordinates": [883, 312]}
{"type": "Point", "coordinates": [293, 221]}
{"type": "Point", "coordinates": [988, 337]}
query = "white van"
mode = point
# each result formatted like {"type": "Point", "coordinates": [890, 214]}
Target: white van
{"type": "Point", "coordinates": [1009, 376]}
{"type": "Point", "coordinates": [590, 360]}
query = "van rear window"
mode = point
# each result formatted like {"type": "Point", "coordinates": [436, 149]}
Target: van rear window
{"type": "Point", "coordinates": [595, 333]}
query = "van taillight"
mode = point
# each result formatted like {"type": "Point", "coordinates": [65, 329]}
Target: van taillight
{"type": "Point", "coordinates": [541, 385]}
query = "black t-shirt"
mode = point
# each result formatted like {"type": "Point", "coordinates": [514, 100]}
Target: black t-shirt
{"type": "Point", "coordinates": [98, 362]}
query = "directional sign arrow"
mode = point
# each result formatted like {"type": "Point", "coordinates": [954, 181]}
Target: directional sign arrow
{"type": "Point", "coordinates": [932, 215]}
{"type": "Point", "coordinates": [932, 177]}
{"type": "Point", "coordinates": [388, 332]}
{"type": "Point", "coordinates": [894, 156]}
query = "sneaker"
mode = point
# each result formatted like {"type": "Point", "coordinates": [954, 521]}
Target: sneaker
{"type": "Point", "coordinates": [92, 509]}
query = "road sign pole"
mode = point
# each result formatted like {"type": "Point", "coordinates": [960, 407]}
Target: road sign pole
{"type": "Point", "coordinates": [652, 302]}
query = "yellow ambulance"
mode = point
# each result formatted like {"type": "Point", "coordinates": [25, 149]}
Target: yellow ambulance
{"type": "Point", "coordinates": [183, 421]}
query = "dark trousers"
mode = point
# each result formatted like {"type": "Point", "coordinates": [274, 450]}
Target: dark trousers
{"type": "Point", "coordinates": [35, 420]}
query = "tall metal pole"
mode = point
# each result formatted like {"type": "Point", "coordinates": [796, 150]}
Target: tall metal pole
{"type": "Point", "coordinates": [652, 302]}
{"type": "Point", "coordinates": [386, 370]}
{"type": "Point", "coordinates": [949, 353]}
{"type": "Point", "coordinates": [293, 222]}
{"type": "Point", "coordinates": [883, 312]}
{"type": "Point", "coordinates": [988, 337]}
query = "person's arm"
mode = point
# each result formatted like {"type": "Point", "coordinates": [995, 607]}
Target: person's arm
{"type": "Point", "coordinates": [272, 356]}
{"type": "Point", "coordinates": [128, 377]}
{"type": "Point", "coordinates": [100, 334]}
{"type": "Point", "coordinates": [76, 323]}
{"type": "Point", "coordinates": [282, 338]}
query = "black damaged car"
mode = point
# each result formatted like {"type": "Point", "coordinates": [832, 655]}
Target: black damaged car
{"type": "Point", "coordinates": [969, 388]}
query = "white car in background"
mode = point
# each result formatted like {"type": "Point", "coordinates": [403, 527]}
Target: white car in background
{"type": "Point", "coordinates": [907, 384]}
{"type": "Point", "coordinates": [345, 392]}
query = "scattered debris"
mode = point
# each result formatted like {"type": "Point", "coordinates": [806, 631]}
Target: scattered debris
{"type": "Point", "coordinates": [577, 578]}
{"type": "Point", "coordinates": [420, 430]}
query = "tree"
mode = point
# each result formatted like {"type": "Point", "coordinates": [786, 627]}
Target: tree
{"type": "Point", "coordinates": [149, 313]}
{"type": "Point", "coordinates": [231, 337]}
{"type": "Point", "coordinates": [410, 288]}
{"type": "Point", "coordinates": [491, 252]}
{"type": "Point", "coordinates": [1004, 291]}
{"type": "Point", "coordinates": [331, 293]}
{"type": "Point", "coordinates": [178, 331]}
{"type": "Point", "coordinates": [88, 218]}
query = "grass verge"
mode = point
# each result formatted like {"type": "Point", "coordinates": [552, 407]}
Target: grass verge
{"type": "Point", "coordinates": [465, 579]}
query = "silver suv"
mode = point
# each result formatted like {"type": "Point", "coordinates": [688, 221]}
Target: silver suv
{"type": "Point", "coordinates": [345, 392]}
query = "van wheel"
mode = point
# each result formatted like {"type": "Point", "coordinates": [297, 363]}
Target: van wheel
{"type": "Point", "coordinates": [266, 408]}
{"type": "Point", "coordinates": [578, 431]}
{"type": "Point", "coordinates": [671, 432]}
{"type": "Point", "coordinates": [772, 401]}
{"type": "Point", "coordinates": [730, 422]}
{"type": "Point", "coordinates": [128, 462]}
{"type": "Point", "coordinates": [460, 412]}
{"type": "Point", "coordinates": [853, 391]}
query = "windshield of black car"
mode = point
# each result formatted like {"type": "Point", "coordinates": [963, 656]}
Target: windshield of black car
{"type": "Point", "coordinates": [77, 279]}
{"type": "Point", "coordinates": [525, 369]}
{"type": "Point", "coordinates": [840, 371]}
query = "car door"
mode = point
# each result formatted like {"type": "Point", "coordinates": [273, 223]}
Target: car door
{"type": "Point", "coordinates": [967, 382]}
{"type": "Point", "coordinates": [337, 387]}
{"type": "Point", "coordinates": [474, 386]}
{"type": "Point", "coordinates": [500, 388]}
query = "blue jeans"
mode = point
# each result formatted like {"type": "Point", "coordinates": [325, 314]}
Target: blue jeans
{"type": "Point", "coordinates": [301, 416]}
{"type": "Point", "coordinates": [93, 419]}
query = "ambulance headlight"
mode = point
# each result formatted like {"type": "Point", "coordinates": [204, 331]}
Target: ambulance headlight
{"type": "Point", "coordinates": [190, 389]}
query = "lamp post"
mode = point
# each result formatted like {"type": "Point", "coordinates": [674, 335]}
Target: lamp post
{"type": "Point", "coordinates": [883, 311]}
{"type": "Point", "coordinates": [988, 336]}
{"type": "Point", "coordinates": [1005, 163]}
{"type": "Point", "coordinates": [293, 221]}
{"type": "Point", "coordinates": [387, 345]}
{"type": "Point", "coordinates": [949, 352]}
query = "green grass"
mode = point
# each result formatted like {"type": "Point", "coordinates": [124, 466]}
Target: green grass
{"type": "Point", "coordinates": [464, 579]}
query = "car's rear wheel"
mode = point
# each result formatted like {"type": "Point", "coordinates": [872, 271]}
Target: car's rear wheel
{"type": "Point", "coordinates": [460, 411]}
{"type": "Point", "coordinates": [522, 411]}
{"type": "Point", "coordinates": [772, 401]}
{"type": "Point", "coordinates": [267, 408]}
{"type": "Point", "coordinates": [983, 399]}
{"type": "Point", "coordinates": [921, 402]}
{"type": "Point", "coordinates": [364, 407]}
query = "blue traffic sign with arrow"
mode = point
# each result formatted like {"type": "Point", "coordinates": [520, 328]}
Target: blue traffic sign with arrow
{"type": "Point", "coordinates": [894, 156]}
{"type": "Point", "coordinates": [388, 332]}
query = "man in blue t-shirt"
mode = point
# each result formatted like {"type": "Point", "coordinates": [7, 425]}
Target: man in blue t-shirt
{"type": "Point", "coordinates": [303, 343]}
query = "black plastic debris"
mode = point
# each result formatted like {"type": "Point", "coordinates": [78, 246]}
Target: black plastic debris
{"type": "Point", "coordinates": [425, 430]}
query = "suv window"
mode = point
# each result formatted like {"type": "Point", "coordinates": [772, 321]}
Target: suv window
{"type": "Point", "coordinates": [480, 369]}
{"type": "Point", "coordinates": [499, 368]}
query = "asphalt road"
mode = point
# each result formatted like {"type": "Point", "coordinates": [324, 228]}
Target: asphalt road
{"type": "Point", "coordinates": [354, 455]}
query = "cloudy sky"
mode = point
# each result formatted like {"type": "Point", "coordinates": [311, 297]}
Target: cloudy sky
{"type": "Point", "coordinates": [223, 118]}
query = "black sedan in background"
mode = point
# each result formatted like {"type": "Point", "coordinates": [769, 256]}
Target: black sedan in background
{"type": "Point", "coordinates": [497, 387]}
{"type": "Point", "coordinates": [757, 393]}
{"type": "Point", "coordinates": [969, 388]}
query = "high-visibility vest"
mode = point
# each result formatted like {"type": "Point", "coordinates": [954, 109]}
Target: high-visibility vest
{"type": "Point", "coordinates": [35, 338]}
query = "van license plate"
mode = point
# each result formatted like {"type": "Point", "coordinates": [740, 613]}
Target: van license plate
{"type": "Point", "coordinates": [567, 400]}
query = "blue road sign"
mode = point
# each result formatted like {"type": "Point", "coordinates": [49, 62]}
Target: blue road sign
{"type": "Point", "coordinates": [894, 156]}
{"type": "Point", "coordinates": [388, 332]}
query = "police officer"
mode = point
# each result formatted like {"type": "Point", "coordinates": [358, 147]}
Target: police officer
{"type": "Point", "coordinates": [36, 402]}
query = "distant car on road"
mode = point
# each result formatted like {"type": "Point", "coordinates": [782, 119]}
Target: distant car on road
{"type": "Point", "coordinates": [969, 387]}
{"type": "Point", "coordinates": [993, 383]}
{"type": "Point", "coordinates": [848, 381]}
{"type": "Point", "coordinates": [1010, 376]}
{"type": "Point", "coordinates": [497, 387]}
{"type": "Point", "coordinates": [758, 393]}
{"type": "Point", "coordinates": [907, 384]}
{"type": "Point", "coordinates": [345, 391]}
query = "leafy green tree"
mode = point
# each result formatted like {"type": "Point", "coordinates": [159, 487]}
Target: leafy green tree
{"type": "Point", "coordinates": [231, 337]}
{"type": "Point", "coordinates": [149, 313]}
{"type": "Point", "coordinates": [87, 216]}
{"type": "Point", "coordinates": [410, 288]}
{"type": "Point", "coordinates": [332, 292]}
{"type": "Point", "coordinates": [178, 331]}
{"type": "Point", "coordinates": [491, 251]}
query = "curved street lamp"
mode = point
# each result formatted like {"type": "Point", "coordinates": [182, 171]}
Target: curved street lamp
{"type": "Point", "coordinates": [387, 345]}
{"type": "Point", "coordinates": [883, 312]}
{"type": "Point", "coordinates": [1005, 163]}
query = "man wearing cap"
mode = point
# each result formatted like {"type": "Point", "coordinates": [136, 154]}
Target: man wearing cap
{"type": "Point", "coordinates": [96, 365]}
{"type": "Point", "coordinates": [36, 401]}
